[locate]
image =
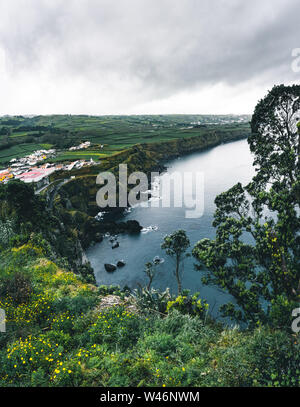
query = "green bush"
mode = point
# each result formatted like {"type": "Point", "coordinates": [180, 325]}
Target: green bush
{"type": "Point", "coordinates": [116, 327]}
{"type": "Point", "coordinates": [17, 286]}
{"type": "Point", "coordinates": [58, 335]}
{"type": "Point", "coordinates": [149, 300]}
{"type": "Point", "coordinates": [189, 304]}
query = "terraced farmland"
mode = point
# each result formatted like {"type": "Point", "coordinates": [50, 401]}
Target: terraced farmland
{"type": "Point", "coordinates": [21, 135]}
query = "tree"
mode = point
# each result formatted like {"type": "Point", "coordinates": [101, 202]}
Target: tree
{"type": "Point", "coordinates": [21, 200]}
{"type": "Point", "coordinates": [255, 255]}
{"type": "Point", "coordinates": [275, 139]}
{"type": "Point", "coordinates": [150, 272]}
{"type": "Point", "coordinates": [175, 246]}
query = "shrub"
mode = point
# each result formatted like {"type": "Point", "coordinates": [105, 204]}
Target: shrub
{"type": "Point", "coordinates": [162, 343]}
{"type": "Point", "coordinates": [26, 357]}
{"type": "Point", "coordinates": [17, 286]}
{"type": "Point", "coordinates": [116, 327]}
{"type": "Point", "coordinates": [151, 300]}
{"type": "Point", "coordinates": [6, 232]}
{"type": "Point", "coordinates": [191, 305]}
{"type": "Point", "coordinates": [76, 304]}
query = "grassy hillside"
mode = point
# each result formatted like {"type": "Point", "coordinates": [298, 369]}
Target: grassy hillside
{"type": "Point", "coordinates": [21, 150]}
{"type": "Point", "coordinates": [62, 331]}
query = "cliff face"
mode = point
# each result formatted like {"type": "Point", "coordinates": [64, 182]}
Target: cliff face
{"type": "Point", "coordinates": [172, 148]}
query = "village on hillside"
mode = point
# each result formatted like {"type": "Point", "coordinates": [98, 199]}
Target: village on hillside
{"type": "Point", "coordinates": [30, 169]}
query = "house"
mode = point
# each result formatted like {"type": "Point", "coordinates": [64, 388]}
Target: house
{"type": "Point", "coordinates": [5, 176]}
{"type": "Point", "coordinates": [81, 146]}
{"type": "Point", "coordinates": [40, 176]}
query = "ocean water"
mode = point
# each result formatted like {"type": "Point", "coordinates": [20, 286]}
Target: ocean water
{"type": "Point", "coordinates": [222, 167]}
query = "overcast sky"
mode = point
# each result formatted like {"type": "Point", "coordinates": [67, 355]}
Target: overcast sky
{"type": "Point", "coordinates": [144, 56]}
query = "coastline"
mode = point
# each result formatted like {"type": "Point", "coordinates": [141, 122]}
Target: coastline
{"type": "Point", "coordinates": [75, 202]}
{"type": "Point", "coordinates": [120, 227]}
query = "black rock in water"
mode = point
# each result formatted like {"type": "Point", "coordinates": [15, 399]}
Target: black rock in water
{"type": "Point", "coordinates": [121, 263]}
{"type": "Point", "coordinates": [156, 260]}
{"type": "Point", "coordinates": [115, 245]}
{"type": "Point", "coordinates": [133, 226]}
{"type": "Point", "coordinates": [110, 267]}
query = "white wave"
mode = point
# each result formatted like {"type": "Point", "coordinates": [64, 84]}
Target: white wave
{"type": "Point", "coordinates": [158, 260]}
{"type": "Point", "coordinates": [148, 229]}
{"type": "Point", "coordinates": [99, 215]}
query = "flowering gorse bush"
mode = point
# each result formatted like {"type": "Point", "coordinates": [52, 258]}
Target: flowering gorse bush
{"type": "Point", "coordinates": [36, 310]}
{"type": "Point", "coordinates": [117, 327]}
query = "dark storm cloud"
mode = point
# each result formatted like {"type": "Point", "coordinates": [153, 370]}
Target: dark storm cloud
{"type": "Point", "coordinates": [156, 47]}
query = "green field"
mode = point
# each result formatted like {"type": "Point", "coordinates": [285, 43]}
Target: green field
{"type": "Point", "coordinates": [20, 150]}
{"type": "Point", "coordinates": [22, 135]}
{"type": "Point", "coordinates": [80, 155]}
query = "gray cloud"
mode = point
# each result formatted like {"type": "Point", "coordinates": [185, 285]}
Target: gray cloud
{"type": "Point", "coordinates": [151, 49]}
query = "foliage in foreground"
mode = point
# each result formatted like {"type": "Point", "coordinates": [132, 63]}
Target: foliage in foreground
{"type": "Point", "coordinates": [59, 335]}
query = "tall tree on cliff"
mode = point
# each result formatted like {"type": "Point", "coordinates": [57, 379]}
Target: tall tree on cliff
{"type": "Point", "coordinates": [255, 255]}
{"type": "Point", "coordinates": [176, 245]}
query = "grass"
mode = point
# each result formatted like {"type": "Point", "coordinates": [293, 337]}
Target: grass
{"type": "Point", "coordinates": [20, 150]}
{"type": "Point", "coordinates": [59, 334]}
{"type": "Point", "coordinates": [71, 156]}
{"type": "Point", "coordinates": [83, 155]}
